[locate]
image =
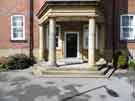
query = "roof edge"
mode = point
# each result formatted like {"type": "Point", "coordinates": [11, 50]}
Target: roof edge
{"type": "Point", "coordinates": [63, 2]}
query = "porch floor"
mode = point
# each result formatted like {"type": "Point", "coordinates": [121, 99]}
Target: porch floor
{"type": "Point", "coordinates": [70, 63]}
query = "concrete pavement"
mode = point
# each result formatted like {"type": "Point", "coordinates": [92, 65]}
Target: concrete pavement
{"type": "Point", "coordinates": [23, 86]}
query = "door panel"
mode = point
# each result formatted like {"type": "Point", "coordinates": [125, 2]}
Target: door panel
{"type": "Point", "coordinates": [71, 45]}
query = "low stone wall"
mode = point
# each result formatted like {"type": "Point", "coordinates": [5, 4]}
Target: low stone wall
{"type": "Point", "coordinates": [8, 52]}
{"type": "Point", "coordinates": [59, 53]}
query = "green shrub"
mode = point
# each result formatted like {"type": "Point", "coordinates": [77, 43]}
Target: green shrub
{"type": "Point", "coordinates": [19, 61]}
{"type": "Point", "coordinates": [3, 62]}
{"type": "Point", "coordinates": [131, 64]}
{"type": "Point", "coordinates": [3, 67]}
{"type": "Point", "coordinates": [121, 58]}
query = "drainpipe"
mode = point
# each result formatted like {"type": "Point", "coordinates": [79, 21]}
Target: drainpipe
{"type": "Point", "coordinates": [31, 44]}
{"type": "Point", "coordinates": [113, 27]}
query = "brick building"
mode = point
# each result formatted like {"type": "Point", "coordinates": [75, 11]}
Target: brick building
{"type": "Point", "coordinates": [58, 29]}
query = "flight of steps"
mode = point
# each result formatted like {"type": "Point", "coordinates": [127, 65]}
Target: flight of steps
{"type": "Point", "coordinates": [64, 72]}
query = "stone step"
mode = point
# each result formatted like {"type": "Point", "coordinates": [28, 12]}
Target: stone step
{"type": "Point", "coordinates": [73, 76]}
{"type": "Point", "coordinates": [62, 72]}
{"type": "Point", "coordinates": [70, 72]}
{"type": "Point", "coordinates": [70, 69]}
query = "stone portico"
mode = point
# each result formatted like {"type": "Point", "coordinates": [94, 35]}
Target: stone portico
{"type": "Point", "coordinates": [71, 16]}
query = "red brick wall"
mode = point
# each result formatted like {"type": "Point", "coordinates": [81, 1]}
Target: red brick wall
{"type": "Point", "coordinates": [131, 6]}
{"type": "Point", "coordinates": [7, 9]}
{"type": "Point", "coordinates": [131, 9]}
{"type": "Point", "coordinates": [37, 5]}
{"type": "Point", "coordinates": [121, 7]}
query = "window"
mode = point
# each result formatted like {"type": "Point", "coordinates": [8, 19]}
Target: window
{"type": "Point", "coordinates": [85, 36]}
{"type": "Point", "coordinates": [17, 27]}
{"type": "Point", "coordinates": [58, 39]}
{"type": "Point", "coordinates": [127, 27]}
{"type": "Point", "coordinates": [47, 36]}
{"type": "Point", "coordinates": [58, 35]}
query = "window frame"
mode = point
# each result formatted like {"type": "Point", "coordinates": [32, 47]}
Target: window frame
{"type": "Point", "coordinates": [129, 26]}
{"type": "Point", "coordinates": [96, 36]}
{"type": "Point", "coordinates": [12, 27]}
{"type": "Point", "coordinates": [84, 35]}
{"type": "Point", "coordinates": [59, 37]}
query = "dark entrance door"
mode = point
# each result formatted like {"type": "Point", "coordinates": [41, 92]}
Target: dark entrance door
{"type": "Point", "coordinates": [71, 44]}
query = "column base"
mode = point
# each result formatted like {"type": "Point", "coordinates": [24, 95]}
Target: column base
{"type": "Point", "coordinates": [91, 61]}
{"type": "Point", "coordinates": [53, 65]}
{"type": "Point", "coordinates": [41, 55]}
{"type": "Point", "coordinates": [91, 65]}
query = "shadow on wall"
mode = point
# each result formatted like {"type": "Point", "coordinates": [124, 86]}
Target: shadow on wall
{"type": "Point", "coordinates": [123, 9]}
{"type": "Point", "coordinates": [113, 9]}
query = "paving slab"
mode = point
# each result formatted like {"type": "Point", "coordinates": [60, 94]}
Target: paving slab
{"type": "Point", "coordinates": [23, 86]}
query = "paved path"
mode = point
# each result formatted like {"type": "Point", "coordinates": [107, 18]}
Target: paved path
{"type": "Point", "coordinates": [22, 86]}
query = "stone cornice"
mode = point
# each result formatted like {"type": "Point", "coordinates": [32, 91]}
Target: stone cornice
{"type": "Point", "coordinates": [68, 13]}
{"type": "Point", "coordinates": [49, 4]}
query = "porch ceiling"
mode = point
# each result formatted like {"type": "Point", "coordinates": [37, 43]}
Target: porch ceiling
{"type": "Point", "coordinates": [66, 12]}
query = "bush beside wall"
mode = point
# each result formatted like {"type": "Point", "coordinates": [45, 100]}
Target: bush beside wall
{"type": "Point", "coordinates": [131, 64]}
{"type": "Point", "coordinates": [18, 61]}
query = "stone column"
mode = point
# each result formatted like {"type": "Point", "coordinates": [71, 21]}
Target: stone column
{"type": "Point", "coordinates": [41, 42]}
{"type": "Point", "coordinates": [91, 41]}
{"type": "Point", "coordinates": [102, 39]}
{"type": "Point", "coordinates": [52, 42]}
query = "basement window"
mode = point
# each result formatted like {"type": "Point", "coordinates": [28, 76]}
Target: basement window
{"type": "Point", "coordinates": [17, 27]}
{"type": "Point", "coordinates": [127, 27]}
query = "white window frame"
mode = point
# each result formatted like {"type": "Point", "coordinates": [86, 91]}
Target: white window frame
{"type": "Point", "coordinates": [130, 26]}
{"type": "Point", "coordinates": [84, 36]}
{"type": "Point", "coordinates": [18, 38]}
{"type": "Point", "coordinates": [87, 35]}
{"type": "Point", "coordinates": [59, 38]}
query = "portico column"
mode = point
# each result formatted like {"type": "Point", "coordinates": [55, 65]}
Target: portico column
{"type": "Point", "coordinates": [91, 41]}
{"type": "Point", "coordinates": [41, 42]}
{"type": "Point", "coordinates": [52, 42]}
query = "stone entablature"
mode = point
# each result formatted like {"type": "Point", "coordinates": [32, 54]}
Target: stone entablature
{"type": "Point", "coordinates": [62, 11]}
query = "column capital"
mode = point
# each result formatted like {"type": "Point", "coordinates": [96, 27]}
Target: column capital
{"type": "Point", "coordinates": [91, 17]}
{"type": "Point", "coordinates": [52, 17]}
{"type": "Point", "coordinates": [40, 24]}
